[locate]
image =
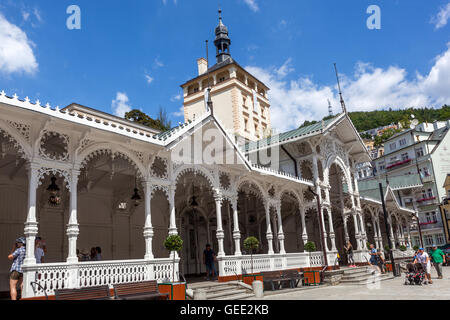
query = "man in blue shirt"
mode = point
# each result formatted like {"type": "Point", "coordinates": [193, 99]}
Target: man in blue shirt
{"type": "Point", "coordinates": [16, 273]}
{"type": "Point", "coordinates": [373, 257]}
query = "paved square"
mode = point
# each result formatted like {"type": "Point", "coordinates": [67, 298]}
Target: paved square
{"type": "Point", "coordinates": [387, 290]}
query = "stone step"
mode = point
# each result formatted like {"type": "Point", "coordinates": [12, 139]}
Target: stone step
{"type": "Point", "coordinates": [355, 270]}
{"type": "Point", "coordinates": [364, 281]}
{"type": "Point", "coordinates": [219, 289]}
{"type": "Point", "coordinates": [225, 293]}
{"type": "Point", "coordinates": [207, 285]}
{"type": "Point", "coordinates": [357, 275]}
{"type": "Point", "coordinates": [240, 296]}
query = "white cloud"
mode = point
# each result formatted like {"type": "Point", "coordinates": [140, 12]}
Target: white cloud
{"type": "Point", "coordinates": [158, 63]}
{"type": "Point", "coordinates": [120, 105]}
{"type": "Point", "coordinates": [37, 14]}
{"type": "Point", "coordinates": [16, 50]}
{"type": "Point", "coordinates": [149, 79]}
{"type": "Point", "coordinates": [252, 5]}
{"type": "Point", "coordinates": [179, 113]}
{"type": "Point", "coordinates": [25, 15]}
{"type": "Point", "coordinates": [441, 19]}
{"type": "Point", "coordinates": [176, 98]}
{"type": "Point", "coordinates": [368, 88]}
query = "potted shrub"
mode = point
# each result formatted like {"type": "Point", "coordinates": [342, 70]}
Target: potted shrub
{"type": "Point", "coordinates": [177, 291]}
{"type": "Point", "coordinates": [311, 277]}
{"type": "Point", "coordinates": [310, 247]}
{"type": "Point", "coordinates": [416, 248]}
{"type": "Point", "coordinates": [402, 248]}
{"type": "Point", "coordinates": [251, 244]}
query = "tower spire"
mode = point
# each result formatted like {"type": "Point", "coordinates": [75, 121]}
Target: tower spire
{"type": "Point", "coordinates": [222, 41]}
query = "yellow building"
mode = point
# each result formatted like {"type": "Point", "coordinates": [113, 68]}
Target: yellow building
{"type": "Point", "coordinates": [231, 85]}
{"type": "Point", "coordinates": [445, 209]}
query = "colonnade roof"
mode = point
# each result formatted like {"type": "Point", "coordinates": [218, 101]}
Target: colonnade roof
{"type": "Point", "coordinates": [318, 127]}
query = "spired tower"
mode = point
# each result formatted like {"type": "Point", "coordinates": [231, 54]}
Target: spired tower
{"type": "Point", "coordinates": [239, 99]}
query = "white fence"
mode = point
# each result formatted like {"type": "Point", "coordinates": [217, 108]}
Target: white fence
{"type": "Point", "coordinates": [238, 265]}
{"type": "Point", "coordinates": [44, 279]}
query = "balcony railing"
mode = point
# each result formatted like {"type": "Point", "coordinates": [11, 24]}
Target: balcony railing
{"type": "Point", "coordinates": [425, 199]}
{"type": "Point", "coordinates": [397, 163]}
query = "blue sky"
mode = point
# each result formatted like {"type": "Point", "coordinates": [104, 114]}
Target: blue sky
{"type": "Point", "coordinates": [136, 53]}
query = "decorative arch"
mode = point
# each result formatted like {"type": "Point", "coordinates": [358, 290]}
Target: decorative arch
{"type": "Point", "coordinates": [341, 164]}
{"type": "Point", "coordinates": [250, 181]}
{"type": "Point", "coordinates": [286, 190]}
{"type": "Point", "coordinates": [117, 150]}
{"type": "Point", "coordinates": [180, 171]}
{"type": "Point", "coordinates": [24, 148]}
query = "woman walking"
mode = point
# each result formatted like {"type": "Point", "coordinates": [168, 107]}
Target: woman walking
{"type": "Point", "coordinates": [349, 251]}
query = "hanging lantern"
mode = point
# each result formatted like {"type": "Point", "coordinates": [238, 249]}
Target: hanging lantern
{"type": "Point", "coordinates": [54, 199]}
{"type": "Point", "coordinates": [194, 203]}
{"type": "Point", "coordinates": [136, 197]}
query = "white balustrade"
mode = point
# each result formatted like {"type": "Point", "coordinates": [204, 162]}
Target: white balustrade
{"type": "Point", "coordinates": [52, 276]}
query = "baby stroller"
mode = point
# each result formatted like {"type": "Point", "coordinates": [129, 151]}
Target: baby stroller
{"type": "Point", "coordinates": [415, 274]}
{"type": "Point", "coordinates": [409, 276]}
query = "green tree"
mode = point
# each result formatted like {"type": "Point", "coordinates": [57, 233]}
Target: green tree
{"type": "Point", "coordinates": [310, 247]}
{"type": "Point", "coordinates": [173, 243]}
{"type": "Point", "coordinates": [161, 124]}
{"type": "Point", "coordinates": [251, 244]}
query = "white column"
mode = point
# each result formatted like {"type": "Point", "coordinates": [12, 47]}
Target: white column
{"type": "Point", "coordinates": [380, 235]}
{"type": "Point", "coordinates": [375, 230]}
{"type": "Point", "coordinates": [72, 227]}
{"type": "Point", "coordinates": [304, 231]}
{"type": "Point", "coordinates": [31, 230]}
{"type": "Point", "coordinates": [219, 232]}
{"type": "Point", "coordinates": [269, 234]}
{"type": "Point", "coordinates": [148, 227]}
{"type": "Point", "coordinates": [391, 233]}
{"type": "Point", "coordinates": [172, 226]}
{"type": "Point", "coordinates": [345, 219]}
{"type": "Point", "coordinates": [363, 230]}
{"type": "Point", "coordinates": [280, 230]}
{"type": "Point", "coordinates": [332, 234]}
{"type": "Point", "coordinates": [408, 233]}
{"type": "Point", "coordinates": [357, 232]}
{"type": "Point", "coordinates": [236, 232]}
{"type": "Point", "coordinates": [31, 224]}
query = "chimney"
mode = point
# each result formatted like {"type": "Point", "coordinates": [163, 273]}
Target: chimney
{"type": "Point", "coordinates": [202, 66]}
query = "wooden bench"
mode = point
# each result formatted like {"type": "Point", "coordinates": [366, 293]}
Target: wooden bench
{"type": "Point", "coordinates": [89, 293]}
{"type": "Point", "coordinates": [272, 277]}
{"type": "Point", "coordinates": [293, 277]}
{"type": "Point", "coordinates": [147, 290]}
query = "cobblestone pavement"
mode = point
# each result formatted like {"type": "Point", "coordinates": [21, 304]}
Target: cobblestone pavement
{"type": "Point", "coordinates": [386, 290]}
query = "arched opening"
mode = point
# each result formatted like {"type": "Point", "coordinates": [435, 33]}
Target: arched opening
{"type": "Point", "coordinates": [292, 224]}
{"type": "Point", "coordinates": [196, 216]}
{"type": "Point", "coordinates": [252, 215]}
{"type": "Point", "coordinates": [13, 200]}
{"type": "Point", "coordinates": [107, 187]}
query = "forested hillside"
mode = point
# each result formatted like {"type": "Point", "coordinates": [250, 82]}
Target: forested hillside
{"type": "Point", "coordinates": [364, 121]}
